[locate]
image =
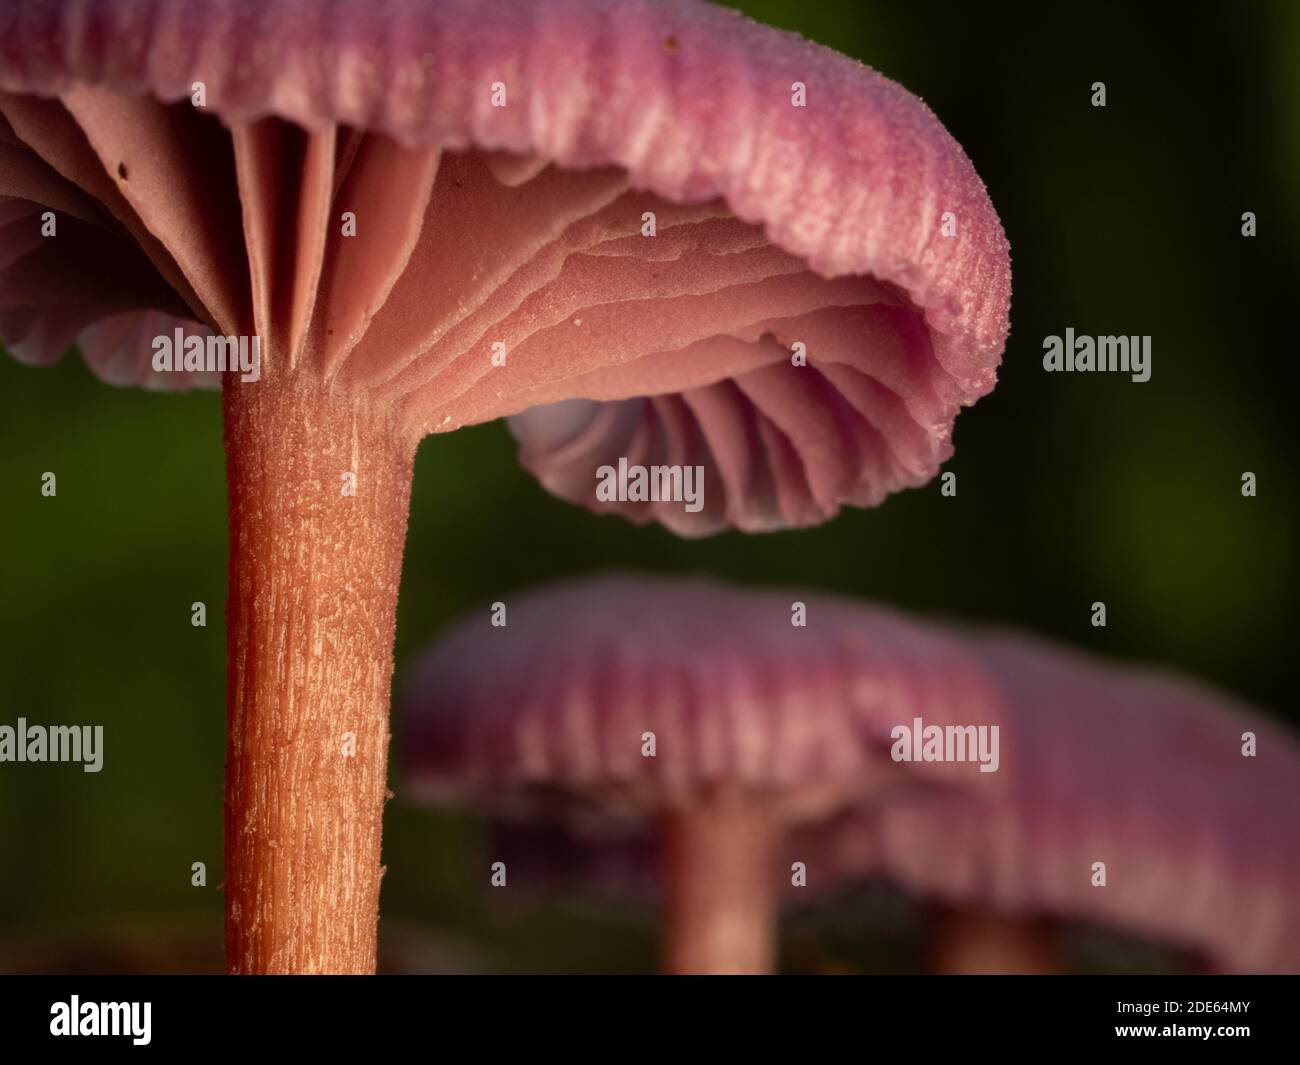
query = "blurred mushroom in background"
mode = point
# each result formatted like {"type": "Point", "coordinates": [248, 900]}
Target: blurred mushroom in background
{"type": "Point", "coordinates": [1005, 783]}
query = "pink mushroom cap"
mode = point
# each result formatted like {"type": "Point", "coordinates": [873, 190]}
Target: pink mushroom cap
{"type": "Point", "coordinates": [541, 721]}
{"type": "Point", "coordinates": [556, 703]}
{"type": "Point", "coordinates": [853, 225]}
{"type": "Point", "coordinates": [1143, 770]}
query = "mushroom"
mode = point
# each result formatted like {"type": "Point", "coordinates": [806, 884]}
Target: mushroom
{"type": "Point", "coordinates": [1132, 799]}
{"type": "Point", "coordinates": [701, 710]}
{"type": "Point", "coordinates": [424, 216]}
{"type": "Point", "coordinates": [1106, 794]}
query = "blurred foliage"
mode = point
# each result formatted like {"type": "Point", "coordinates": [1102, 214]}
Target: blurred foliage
{"type": "Point", "coordinates": [1070, 488]}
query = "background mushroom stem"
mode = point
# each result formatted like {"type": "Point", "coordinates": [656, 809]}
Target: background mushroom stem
{"type": "Point", "coordinates": [314, 573]}
{"type": "Point", "coordinates": [720, 899]}
{"type": "Point", "coordinates": [978, 942]}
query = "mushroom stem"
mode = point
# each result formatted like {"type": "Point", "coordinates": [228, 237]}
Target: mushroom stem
{"type": "Point", "coordinates": [978, 942]}
{"type": "Point", "coordinates": [721, 895]}
{"type": "Point", "coordinates": [315, 562]}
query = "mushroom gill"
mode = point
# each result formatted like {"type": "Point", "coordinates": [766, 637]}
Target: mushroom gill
{"type": "Point", "coordinates": [452, 288]}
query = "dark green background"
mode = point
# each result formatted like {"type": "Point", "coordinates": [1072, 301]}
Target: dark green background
{"type": "Point", "coordinates": [1071, 489]}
